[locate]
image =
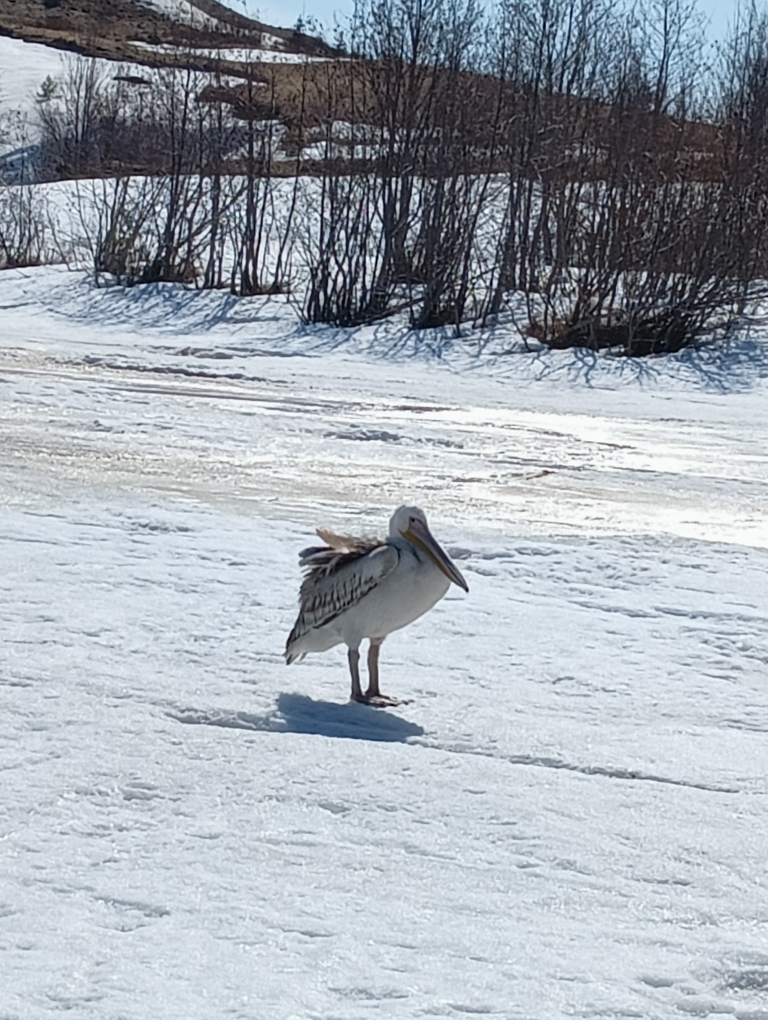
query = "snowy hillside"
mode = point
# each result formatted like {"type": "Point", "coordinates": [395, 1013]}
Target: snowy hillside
{"type": "Point", "coordinates": [132, 34]}
{"type": "Point", "coordinates": [568, 819]}
{"type": "Point", "coordinates": [23, 68]}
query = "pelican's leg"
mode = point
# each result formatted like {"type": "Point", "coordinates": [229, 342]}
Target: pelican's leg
{"type": "Point", "coordinates": [353, 657]}
{"type": "Point", "coordinates": [373, 695]}
{"type": "Point", "coordinates": [373, 669]}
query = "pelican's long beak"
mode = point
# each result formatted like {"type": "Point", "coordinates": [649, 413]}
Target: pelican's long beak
{"type": "Point", "coordinates": [421, 536]}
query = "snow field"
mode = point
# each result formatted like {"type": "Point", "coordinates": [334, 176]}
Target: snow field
{"type": "Point", "coordinates": [567, 820]}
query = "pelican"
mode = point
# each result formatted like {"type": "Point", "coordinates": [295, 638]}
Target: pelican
{"type": "Point", "coordinates": [357, 588]}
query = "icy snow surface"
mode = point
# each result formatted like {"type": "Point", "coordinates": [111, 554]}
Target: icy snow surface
{"type": "Point", "coordinates": [568, 819]}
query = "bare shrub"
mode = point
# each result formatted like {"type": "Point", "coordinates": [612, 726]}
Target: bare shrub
{"type": "Point", "coordinates": [619, 237]}
{"type": "Point", "coordinates": [25, 232]}
{"type": "Point", "coordinates": [345, 252]}
{"type": "Point", "coordinates": [173, 225]}
{"type": "Point", "coordinates": [575, 150]}
{"type": "Point", "coordinates": [27, 237]}
{"type": "Point", "coordinates": [400, 215]}
{"type": "Point", "coordinates": [341, 237]}
{"type": "Point", "coordinates": [259, 231]}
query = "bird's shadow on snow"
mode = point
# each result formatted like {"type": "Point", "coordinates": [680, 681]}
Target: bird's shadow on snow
{"type": "Point", "coordinates": [296, 713]}
{"type": "Point", "coordinates": [350, 720]}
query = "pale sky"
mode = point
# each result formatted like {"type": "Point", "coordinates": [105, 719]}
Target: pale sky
{"type": "Point", "coordinates": [285, 13]}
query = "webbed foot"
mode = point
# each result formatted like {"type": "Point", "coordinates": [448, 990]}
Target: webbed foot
{"type": "Point", "coordinates": [379, 700]}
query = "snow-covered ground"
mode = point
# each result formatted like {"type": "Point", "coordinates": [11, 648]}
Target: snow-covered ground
{"type": "Point", "coordinates": [569, 818]}
{"type": "Point", "coordinates": [23, 69]}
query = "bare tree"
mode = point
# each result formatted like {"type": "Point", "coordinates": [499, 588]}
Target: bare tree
{"type": "Point", "coordinates": [27, 236]}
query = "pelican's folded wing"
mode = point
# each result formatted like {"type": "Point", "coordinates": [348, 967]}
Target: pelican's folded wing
{"type": "Point", "coordinates": [337, 581]}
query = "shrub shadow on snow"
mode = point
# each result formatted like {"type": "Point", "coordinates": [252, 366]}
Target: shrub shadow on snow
{"type": "Point", "coordinates": [731, 366]}
{"type": "Point", "coordinates": [296, 713]}
{"type": "Point", "coordinates": [727, 366]}
{"type": "Point", "coordinates": [390, 340]}
{"type": "Point", "coordinates": [264, 325]}
{"type": "Point", "coordinates": [169, 308]}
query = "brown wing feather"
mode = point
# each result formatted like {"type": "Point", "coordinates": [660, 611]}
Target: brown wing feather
{"type": "Point", "coordinates": [338, 550]}
{"type": "Point", "coordinates": [338, 576]}
{"type": "Point", "coordinates": [347, 542]}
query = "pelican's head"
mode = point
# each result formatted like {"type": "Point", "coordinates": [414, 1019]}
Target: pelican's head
{"type": "Point", "coordinates": [410, 523]}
